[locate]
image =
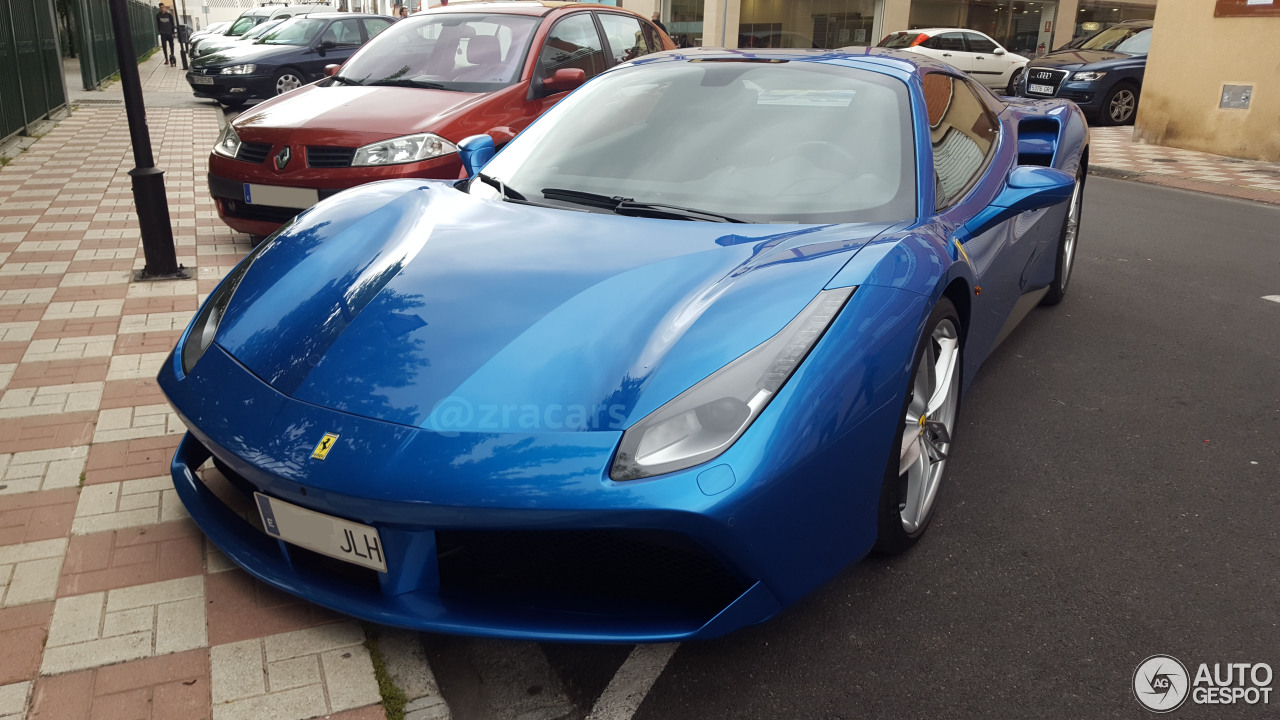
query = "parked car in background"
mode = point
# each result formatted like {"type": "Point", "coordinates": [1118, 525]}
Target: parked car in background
{"type": "Point", "coordinates": [222, 42]}
{"type": "Point", "coordinates": [400, 105]}
{"type": "Point", "coordinates": [286, 58]}
{"type": "Point", "coordinates": [254, 17]}
{"type": "Point", "coordinates": [211, 29]}
{"type": "Point", "coordinates": [1103, 75]}
{"type": "Point", "coordinates": [968, 50]}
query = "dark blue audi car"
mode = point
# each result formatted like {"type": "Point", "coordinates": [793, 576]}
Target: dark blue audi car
{"type": "Point", "coordinates": [286, 58]}
{"type": "Point", "coordinates": [1103, 75]}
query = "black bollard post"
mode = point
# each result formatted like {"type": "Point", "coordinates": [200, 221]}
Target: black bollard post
{"type": "Point", "coordinates": [148, 180]}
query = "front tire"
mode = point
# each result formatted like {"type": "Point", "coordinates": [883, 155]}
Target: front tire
{"type": "Point", "coordinates": [1067, 241]}
{"type": "Point", "coordinates": [1120, 106]}
{"type": "Point", "coordinates": [288, 79]}
{"type": "Point", "coordinates": [1012, 88]}
{"type": "Point", "coordinates": [918, 459]}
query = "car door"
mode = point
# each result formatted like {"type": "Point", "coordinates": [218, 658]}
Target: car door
{"type": "Point", "coordinates": [969, 170]}
{"type": "Point", "coordinates": [573, 42]}
{"type": "Point", "coordinates": [335, 44]}
{"type": "Point", "coordinates": [627, 37]}
{"type": "Point", "coordinates": [985, 66]}
{"type": "Point", "coordinates": [949, 47]}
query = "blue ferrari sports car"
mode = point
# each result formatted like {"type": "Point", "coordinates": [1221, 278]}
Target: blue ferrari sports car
{"type": "Point", "coordinates": [679, 352]}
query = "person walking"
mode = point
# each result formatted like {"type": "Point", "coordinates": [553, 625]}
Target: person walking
{"type": "Point", "coordinates": [166, 24]}
{"type": "Point", "coordinates": [658, 21]}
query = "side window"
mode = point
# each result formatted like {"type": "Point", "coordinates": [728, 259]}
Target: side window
{"type": "Point", "coordinates": [979, 43]}
{"type": "Point", "coordinates": [342, 32]}
{"type": "Point", "coordinates": [963, 133]}
{"type": "Point", "coordinates": [626, 37]}
{"type": "Point", "coordinates": [373, 26]}
{"type": "Point", "coordinates": [949, 42]}
{"type": "Point", "coordinates": [572, 43]}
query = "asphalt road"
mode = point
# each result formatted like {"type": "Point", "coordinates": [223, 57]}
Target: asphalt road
{"type": "Point", "coordinates": [1114, 493]}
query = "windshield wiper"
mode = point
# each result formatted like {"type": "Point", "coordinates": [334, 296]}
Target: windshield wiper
{"type": "Point", "coordinates": [507, 193]}
{"type": "Point", "coordinates": [348, 81]}
{"type": "Point", "coordinates": [629, 206]}
{"type": "Point", "coordinates": [405, 82]}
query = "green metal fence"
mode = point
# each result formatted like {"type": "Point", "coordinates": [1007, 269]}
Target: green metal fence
{"type": "Point", "coordinates": [31, 85]}
{"type": "Point", "coordinates": [97, 41]}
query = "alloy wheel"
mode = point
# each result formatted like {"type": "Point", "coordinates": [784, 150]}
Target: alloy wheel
{"type": "Point", "coordinates": [1070, 232]}
{"type": "Point", "coordinates": [929, 423]}
{"type": "Point", "coordinates": [1122, 106]}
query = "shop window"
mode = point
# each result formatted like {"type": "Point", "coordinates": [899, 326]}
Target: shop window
{"type": "Point", "coordinates": [806, 23]}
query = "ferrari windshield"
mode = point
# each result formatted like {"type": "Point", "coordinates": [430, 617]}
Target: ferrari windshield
{"type": "Point", "coordinates": [1121, 38]}
{"type": "Point", "coordinates": [294, 31]}
{"type": "Point", "coordinates": [470, 53]}
{"type": "Point", "coordinates": [775, 141]}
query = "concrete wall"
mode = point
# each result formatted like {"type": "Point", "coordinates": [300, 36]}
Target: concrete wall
{"type": "Point", "coordinates": [1193, 54]}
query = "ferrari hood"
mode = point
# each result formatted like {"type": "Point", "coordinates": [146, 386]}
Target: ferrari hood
{"type": "Point", "coordinates": [415, 303]}
{"type": "Point", "coordinates": [390, 110]}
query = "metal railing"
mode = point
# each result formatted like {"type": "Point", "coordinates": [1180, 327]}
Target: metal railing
{"type": "Point", "coordinates": [31, 83]}
{"type": "Point", "coordinates": [97, 41]}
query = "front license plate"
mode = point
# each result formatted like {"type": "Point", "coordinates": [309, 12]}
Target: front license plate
{"type": "Point", "coordinates": [201, 80]}
{"type": "Point", "coordinates": [1045, 89]}
{"type": "Point", "coordinates": [325, 534]}
{"type": "Point", "coordinates": [290, 197]}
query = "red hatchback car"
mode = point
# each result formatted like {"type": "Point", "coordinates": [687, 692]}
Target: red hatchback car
{"type": "Point", "coordinates": [398, 107]}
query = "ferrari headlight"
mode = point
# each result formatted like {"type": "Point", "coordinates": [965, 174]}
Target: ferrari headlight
{"type": "Point", "coordinates": [228, 144]}
{"type": "Point", "coordinates": [407, 149]}
{"type": "Point", "coordinates": [200, 335]}
{"type": "Point", "coordinates": [239, 70]}
{"type": "Point", "coordinates": [706, 419]}
{"type": "Point", "coordinates": [1089, 75]}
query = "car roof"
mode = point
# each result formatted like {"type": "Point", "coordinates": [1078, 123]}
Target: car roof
{"type": "Point", "coordinates": [934, 31]}
{"type": "Point", "coordinates": [327, 15]}
{"type": "Point", "coordinates": [876, 59]}
{"type": "Point", "coordinates": [514, 7]}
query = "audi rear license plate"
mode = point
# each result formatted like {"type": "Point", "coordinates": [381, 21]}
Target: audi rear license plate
{"type": "Point", "coordinates": [342, 539]}
{"type": "Point", "coordinates": [1046, 89]}
{"type": "Point", "coordinates": [201, 80]}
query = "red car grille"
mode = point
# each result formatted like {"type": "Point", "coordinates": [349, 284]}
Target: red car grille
{"type": "Point", "coordinates": [329, 157]}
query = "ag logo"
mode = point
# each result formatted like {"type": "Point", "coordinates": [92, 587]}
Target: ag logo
{"type": "Point", "coordinates": [282, 158]}
{"type": "Point", "coordinates": [1161, 683]}
{"type": "Point", "coordinates": [324, 446]}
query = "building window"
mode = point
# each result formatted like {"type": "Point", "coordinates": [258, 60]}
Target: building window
{"type": "Point", "coordinates": [806, 23]}
{"type": "Point", "coordinates": [1094, 15]}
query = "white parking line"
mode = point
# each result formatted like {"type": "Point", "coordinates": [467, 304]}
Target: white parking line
{"type": "Point", "coordinates": [1272, 298]}
{"type": "Point", "coordinates": [632, 682]}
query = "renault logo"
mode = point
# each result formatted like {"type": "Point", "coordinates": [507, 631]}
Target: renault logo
{"type": "Point", "coordinates": [282, 157]}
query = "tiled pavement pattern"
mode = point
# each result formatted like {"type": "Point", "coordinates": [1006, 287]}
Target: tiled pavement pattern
{"type": "Point", "coordinates": [1113, 151]}
{"type": "Point", "coordinates": [112, 603]}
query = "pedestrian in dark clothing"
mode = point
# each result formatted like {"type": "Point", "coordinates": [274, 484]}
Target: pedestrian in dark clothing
{"type": "Point", "coordinates": [658, 22]}
{"type": "Point", "coordinates": [166, 23]}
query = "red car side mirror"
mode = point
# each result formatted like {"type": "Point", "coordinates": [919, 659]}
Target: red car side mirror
{"type": "Point", "coordinates": [331, 69]}
{"type": "Point", "coordinates": [565, 79]}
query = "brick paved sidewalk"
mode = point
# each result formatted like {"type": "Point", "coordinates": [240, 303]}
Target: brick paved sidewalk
{"type": "Point", "coordinates": [112, 603]}
{"type": "Point", "coordinates": [1114, 152]}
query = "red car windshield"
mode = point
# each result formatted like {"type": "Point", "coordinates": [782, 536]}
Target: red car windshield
{"type": "Point", "coordinates": [469, 53]}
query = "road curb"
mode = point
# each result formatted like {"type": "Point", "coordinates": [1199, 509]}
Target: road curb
{"type": "Point", "coordinates": [1258, 195]}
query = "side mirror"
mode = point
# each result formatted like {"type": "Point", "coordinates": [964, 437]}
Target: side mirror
{"type": "Point", "coordinates": [998, 51]}
{"type": "Point", "coordinates": [331, 69]}
{"type": "Point", "coordinates": [1029, 187]}
{"type": "Point", "coordinates": [475, 151]}
{"type": "Point", "coordinates": [564, 79]}
{"type": "Point", "coordinates": [326, 45]}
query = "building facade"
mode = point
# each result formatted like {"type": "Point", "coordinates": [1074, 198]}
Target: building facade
{"type": "Point", "coordinates": [1023, 26]}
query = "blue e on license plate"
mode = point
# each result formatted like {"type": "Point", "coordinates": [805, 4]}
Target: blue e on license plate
{"type": "Point", "coordinates": [342, 539]}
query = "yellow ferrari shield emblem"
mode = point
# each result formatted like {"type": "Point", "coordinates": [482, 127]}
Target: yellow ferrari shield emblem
{"type": "Point", "coordinates": [324, 446]}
